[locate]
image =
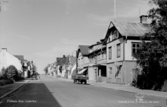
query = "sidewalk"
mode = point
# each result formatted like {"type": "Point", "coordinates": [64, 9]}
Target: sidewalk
{"type": "Point", "coordinates": [125, 88]}
{"type": "Point", "coordinates": [9, 88]}
{"type": "Point", "coordinates": [130, 89]}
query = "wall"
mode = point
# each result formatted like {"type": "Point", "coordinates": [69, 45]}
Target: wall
{"type": "Point", "coordinates": [82, 61]}
{"type": "Point", "coordinates": [114, 50]}
{"type": "Point", "coordinates": [91, 74]}
{"type": "Point", "coordinates": [128, 49]}
{"type": "Point", "coordinates": [111, 73]}
{"type": "Point", "coordinates": [128, 71]}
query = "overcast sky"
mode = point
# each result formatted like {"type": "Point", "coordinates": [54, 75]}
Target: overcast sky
{"type": "Point", "coordinates": [42, 30]}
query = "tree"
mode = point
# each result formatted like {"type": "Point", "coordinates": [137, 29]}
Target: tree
{"type": "Point", "coordinates": [153, 55]}
{"type": "Point", "coordinates": [11, 72]}
{"type": "Point", "coordinates": [46, 70]}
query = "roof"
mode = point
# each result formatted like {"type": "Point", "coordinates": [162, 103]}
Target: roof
{"type": "Point", "coordinates": [62, 60]}
{"type": "Point", "coordinates": [98, 43]}
{"type": "Point", "coordinates": [131, 29]}
{"type": "Point", "coordinates": [98, 48]}
{"type": "Point", "coordinates": [20, 57]}
{"type": "Point", "coordinates": [84, 49]}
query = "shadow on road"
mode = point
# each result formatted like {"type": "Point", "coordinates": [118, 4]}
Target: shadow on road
{"type": "Point", "coordinates": [30, 95]}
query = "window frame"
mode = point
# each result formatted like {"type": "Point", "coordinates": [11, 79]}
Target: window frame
{"type": "Point", "coordinates": [136, 48]}
{"type": "Point", "coordinates": [119, 50]}
{"type": "Point", "coordinates": [110, 52]}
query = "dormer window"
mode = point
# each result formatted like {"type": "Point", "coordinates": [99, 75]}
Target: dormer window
{"type": "Point", "coordinates": [115, 34]}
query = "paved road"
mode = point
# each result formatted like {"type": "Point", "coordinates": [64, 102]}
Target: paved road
{"type": "Point", "coordinates": [52, 92]}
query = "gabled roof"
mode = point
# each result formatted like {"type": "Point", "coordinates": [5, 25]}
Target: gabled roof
{"type": "Point", "coordinates": [128, 29]}
{"type": "Point", "coordinates": [20, 57]}
{"type": "Point", "coordinates": [131, 29]}
{"type": "Point", "coordinates": [84, 49]}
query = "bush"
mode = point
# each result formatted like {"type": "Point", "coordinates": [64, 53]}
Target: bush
{"type": "Point", "coordinates": [11, 72]}
{"type": "Point", "coordinates": [19, 78]}
{"type": "Point", "coordinates": [6, 81]}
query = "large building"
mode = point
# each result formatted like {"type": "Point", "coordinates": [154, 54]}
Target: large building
{"type": "Point", "coordinates": [123, 41]}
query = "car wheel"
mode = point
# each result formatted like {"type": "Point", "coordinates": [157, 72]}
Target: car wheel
{"type": "Point", "coordinates": [85, 82]}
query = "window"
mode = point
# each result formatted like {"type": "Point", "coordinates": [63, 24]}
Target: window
{"type": "Point", "coordinates": [110, 70]}
{"type": "Point", "coordinates": [115, 34]}
{"type": "Point", "coordinates": [110, 52]}
{"type": "Point", "coordinates": [118, 50]}
{"type": "Point", "coordinates": [135, 48]}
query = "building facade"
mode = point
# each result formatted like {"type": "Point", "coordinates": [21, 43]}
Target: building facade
{"type": "Point", "coordinates": [97, 63]}
{"type": "Point", "coordinates": [82, 61]}
{"type": "Point", "coordinates": [122, 43]}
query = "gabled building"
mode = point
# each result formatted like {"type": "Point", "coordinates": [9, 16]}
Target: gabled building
{"type": "Point", "coordinates": [82, 58]}
{"type": "Point", "coordinates": [123, 41]}
{"type": "Point", "coordinates": [61, 63]}
{"type": "Point", "coordinates": [97, 63]}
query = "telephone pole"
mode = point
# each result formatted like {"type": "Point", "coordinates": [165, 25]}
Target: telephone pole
{"type": "Point", "coordinates": [115, 10]}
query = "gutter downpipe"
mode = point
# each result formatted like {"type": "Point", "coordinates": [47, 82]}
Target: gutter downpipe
{"type": "Point", "coordinates": [124, 57]}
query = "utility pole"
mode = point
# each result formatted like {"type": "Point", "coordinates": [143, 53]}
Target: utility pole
{"type": "Point", "coordinates": [76, 62]}
{"type": "Point", "coordinates": [1, 11]}
{"type": "Point", "coordinates": [115, 10]}
{"type": "Point", "coordinates": [0, 36]}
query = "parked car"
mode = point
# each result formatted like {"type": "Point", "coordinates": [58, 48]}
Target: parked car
{"type": "Point", "coordinates": [80, 78]}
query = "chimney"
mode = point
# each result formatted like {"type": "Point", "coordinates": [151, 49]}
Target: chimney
{"type": "Point", "coordinates": [4, 49]}
{"type": "Point", "coordinates": [143, 18]}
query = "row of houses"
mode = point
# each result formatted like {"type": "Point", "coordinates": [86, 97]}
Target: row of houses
{"type": "Point", "coordinates": [22, 65]}
{"type": "Point", "coordinates": [112, 58]}
{"type": "Point", "coordinates": [62, 67]}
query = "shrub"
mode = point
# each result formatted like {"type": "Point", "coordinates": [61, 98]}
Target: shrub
{"type": "Point", "coordinates": [6, 81]}
{"type": "Point", "coordinates": [11, 72]}
{"type": "Point", "coordinates": [3, 73]}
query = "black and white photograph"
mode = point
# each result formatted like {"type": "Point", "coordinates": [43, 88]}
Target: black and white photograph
{"type": "Point", "coordinates": [83, 53]}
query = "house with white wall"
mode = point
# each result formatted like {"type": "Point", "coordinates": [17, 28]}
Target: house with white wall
{"type": "Point", "coordinates": [7, 59]}
{"type": "Point", "coordinates": [123, 40]}
{"type": "Point", "coordinates": [97, 63]}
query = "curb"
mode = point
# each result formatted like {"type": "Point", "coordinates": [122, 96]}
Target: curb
{"type": "Point", "coordinates": [132, 91]}
{"type": "Point", "coordinates": [13, 90]}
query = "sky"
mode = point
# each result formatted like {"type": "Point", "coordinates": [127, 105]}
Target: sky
{"type": "Point", "coordinates": [42, 30]}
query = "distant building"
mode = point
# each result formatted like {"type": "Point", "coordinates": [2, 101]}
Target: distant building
{"type": "Point", "coordinates": [61, 63]}
{"type": "Point", "coordinates": [7, 59]}
{"type": "Point", "coordinates": [82, 59]}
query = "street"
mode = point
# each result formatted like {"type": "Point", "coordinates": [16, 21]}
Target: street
{"type": "Point", "coordinates": [52, 92]}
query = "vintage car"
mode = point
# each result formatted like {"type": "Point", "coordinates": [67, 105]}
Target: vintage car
{"type": "Point", "coordinates": [80, 78]}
